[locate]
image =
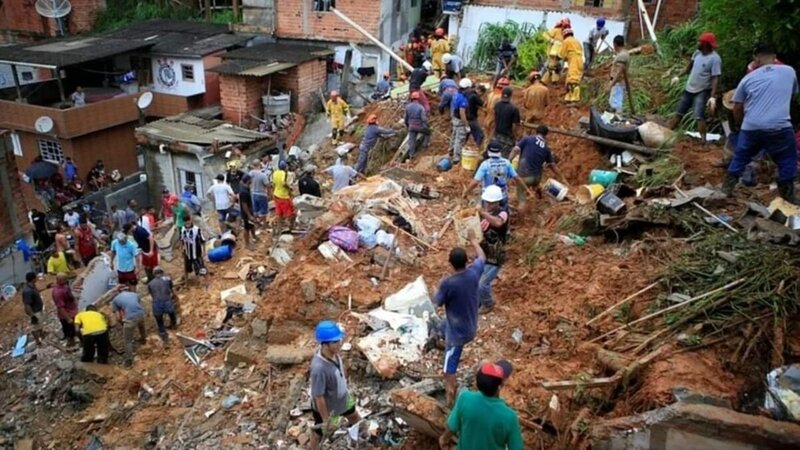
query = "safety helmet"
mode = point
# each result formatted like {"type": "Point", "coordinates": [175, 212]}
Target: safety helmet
{"type": "Point", "coordinates": [334, 93]}
{"type": "Point", "coordinates": [328, 331]}
{"type": "Point", "coordinates": [492, 194]}
{"type": "Point", "coordinates": [415, 95]}
{"type": "Point", "coordinates": [502, 81]}
{"type": "Point", "coordinates": [446, 58]}
{"type": "Point", "coordinates": [601, 22]}
{"type": "Point", "coordinates": [568, 32]}
{"type": "Point", "coordinates": [444, 164]}
{"type": "Point", "coordinates": [439, 32]}
{"type": "Point", "coordinates": [465, 83]}
{"type": "Point", "coordinates": [427, 65]}
{"type": "Point", "coordinates": [372, 118]}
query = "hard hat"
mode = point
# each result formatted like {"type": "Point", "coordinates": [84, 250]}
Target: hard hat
{"type": "Point", "coordinates": [372, 118]}
{"type": "Point", "coordinates": [492, 194]}
{"type": "Point", "coordinates": [708, 38]}
{"type": "Point", "coordinates": [568, 32]}
{"type": "Point", "coordinates": [334, 93]}
{"type": "Point", "coordinates": [427, 65]}
{"type": "Point", "coordinates": [415, 95]}
{"type": "Point", "coordinates": [328, 331]}
{"type": "Point", "coordinates": [502, 81]}
{"type": "Point", "coordinates": [465, 83]}
{"type": "Point", "coordinates": [534, 75]}
{"type": "Point", "coordinates": [601, 22]}
{"type": "Point", "coordinates": [439, 32]}
{"type": "Point", "coordinates": [446, 58]}
{"type": "Point", "coordinates": [444, 164]}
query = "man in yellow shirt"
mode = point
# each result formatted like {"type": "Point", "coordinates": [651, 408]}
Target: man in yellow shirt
{"type": "Point", "coordinates": [57, 263]}
{"type": "Point", "coordinates": [93, 327]}
{"type": "Point", "coordinates": [535, 98]}
{"type": "Point", "coordinates": [555, 39]}
{"type": "Point", "coordinates": [282, 194]}
{"type": "Point", "coordinates": [337, 111]}
{"type": "Point", "coordinates": [439, 47]}
{"type": "Point", "coordinates": [572, 53]}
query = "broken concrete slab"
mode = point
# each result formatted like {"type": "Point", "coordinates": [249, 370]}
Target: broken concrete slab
{"type": "Point", "coordinates": [422, 412]}
{"type": "Point", "coordinates": [259, 328]}
{"type": "Point", "coordinates": [288, 354]}
{"type": "Point", "coordinates": [238, 353]}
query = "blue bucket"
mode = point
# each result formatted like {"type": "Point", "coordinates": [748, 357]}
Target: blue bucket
{"type": "Point", "coordinates": [221, 253]}
{"type": "Point", "coordinates": [604, 177]}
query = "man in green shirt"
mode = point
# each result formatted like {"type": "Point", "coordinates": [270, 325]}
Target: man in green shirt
{"type": "Point", "coordinates": [482, 420]}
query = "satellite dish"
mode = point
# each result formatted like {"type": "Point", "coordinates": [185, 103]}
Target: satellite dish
{"type": "Point", "coordinates": [144, 100]}
{"type": "Point", "coordinates": [53, 9]}
{"type": "Point", "coordinates": [44, 124]}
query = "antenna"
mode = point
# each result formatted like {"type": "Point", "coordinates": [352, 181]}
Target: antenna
{"type": "Point", "coordinates": [44, 124]}
{"type": "Point", "coordinates": [144, 100]}
{"type": "Point", "coordinates": [54, 9]}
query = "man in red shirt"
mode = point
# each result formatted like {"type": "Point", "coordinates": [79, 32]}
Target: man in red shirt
{"type": "Point", "coordinates": [86, 241]}
{"type": "Point", "coordinates": [66, 307]}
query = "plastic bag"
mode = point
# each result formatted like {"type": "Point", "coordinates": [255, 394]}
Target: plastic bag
{"type": "Point", "coordinates": [655, 135]}
{"type": "Point", "coordinates": [344, 238]}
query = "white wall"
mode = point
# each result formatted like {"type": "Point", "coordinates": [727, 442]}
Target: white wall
{"type": "Point", "coordinates": [168, 76]}
{"type": "Point", "coordinates": [7, 76]}
{"type": "Point", "coordinates": [473, 16]}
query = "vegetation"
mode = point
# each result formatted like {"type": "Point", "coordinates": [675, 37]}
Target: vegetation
{"type": "Point", "coordinates": [121, 13]}
{"type": "Point", "coordinates": [526, 37]}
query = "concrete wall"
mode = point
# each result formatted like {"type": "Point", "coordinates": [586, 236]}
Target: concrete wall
{"type": "Point", "coordinates": [610, 8]}
{"type": "Point", "coordinates": [168, 76]}
{"type": "Point", "coordinates": [13, 209]}
{"type": "Point", "coordinates": [19, 21]}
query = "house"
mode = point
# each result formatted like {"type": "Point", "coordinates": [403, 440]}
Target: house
{"type": "Point", "coordinates": [14, 222]}
{"type": "Point", "coordinates": [20, 22]}
{"type": "Point", "coordinates": [252, 77]}
{"type": "Point", "coordinates": [390, 21]}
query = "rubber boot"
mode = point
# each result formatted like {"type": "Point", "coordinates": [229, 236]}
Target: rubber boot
{"type": "Point", "coordinates": [729, 185]}
{"type": "Point", "coordinates": [786, 191]}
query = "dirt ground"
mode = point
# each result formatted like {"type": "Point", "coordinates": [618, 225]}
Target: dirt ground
{"type": "Point", "coordinates": [549, 299]}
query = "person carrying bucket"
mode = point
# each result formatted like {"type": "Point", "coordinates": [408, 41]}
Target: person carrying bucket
{"type": "Point", "coordinates": [494, 224]}
{"type": "Point", "coordinates": [496, 171]}
{"type": "Point", "coordinates": [534, 156]}
{"type": "Point", "coordinates": [330, 399]}
{"type": "Point", "coordinates": [555, 38]}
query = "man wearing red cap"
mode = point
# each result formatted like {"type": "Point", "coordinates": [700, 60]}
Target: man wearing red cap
{"type": "Point", "coordinates": [482, 420]}
{"type": "Point", "coordinates": [701, 88]}
{"type": "Point", "coordinates": [439, 47]}
{"type": "Point", "coordinates": [416, 119]}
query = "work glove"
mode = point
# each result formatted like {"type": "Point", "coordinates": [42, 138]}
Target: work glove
{"type": "Point", "coordinates": [674, 80]}
{"type": "Point", "coordinates": [711, 104]}
{"type": "Point", "coordinates": [467, 129]}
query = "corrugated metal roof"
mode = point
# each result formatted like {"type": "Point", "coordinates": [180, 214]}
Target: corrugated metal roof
{"type": "Point", "coordinates": [251, 68]}
{"type": "Point", "coordinates": [186, 128]}
{"type": "Point", "coordinates": [179, 38]}
{"type": "Point", "coordinates": [68, 52]}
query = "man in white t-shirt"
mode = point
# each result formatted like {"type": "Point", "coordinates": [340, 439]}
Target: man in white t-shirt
{"type": "Point", "coordinates": [223, 197]}
{"type": "Point", "coordinates": [72, 218]}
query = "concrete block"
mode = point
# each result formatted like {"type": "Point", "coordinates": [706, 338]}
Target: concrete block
{"type": "Point", "coordinates": [259, 328]}
{"type": "Point", "coordinates": [237, 354]}
{"type": "Point", "coordinates": [288, 354]}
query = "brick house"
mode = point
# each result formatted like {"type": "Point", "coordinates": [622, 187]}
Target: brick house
{"type": "Point", "coordinates": [19, 21]}
{"type": "Point", "coordinates": [14, 223]}
{"type": "Point", "coordinates": [248, 75]}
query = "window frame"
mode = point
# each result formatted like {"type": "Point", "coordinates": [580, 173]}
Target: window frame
{"type": "Point", "coordinates": [52, 148]}
{"type": "Point", "coordinates": [190, 67]}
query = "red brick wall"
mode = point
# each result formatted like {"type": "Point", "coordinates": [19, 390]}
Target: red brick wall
{"type": "Point", "coordinates": [303, 81]}
{"type": "Point", "coordinates": [672, 12]}
{"type": "Point", "coordinates": [165, 105]}
{"type": "Point", "coordinates": [19, 20]}
{"type": "Point", "coordinates": [296, 19]}
{"type": "Point", "coordinates": [240, 97]}
{"type": "Point", "coordinates": [212, 96]}
{"type": "Point", "coordinates": [18, 207]}
{"type": "Point", "coordinates": [615, 8]}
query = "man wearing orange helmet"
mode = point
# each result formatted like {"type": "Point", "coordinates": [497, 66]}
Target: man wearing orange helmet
{"type": "Point", "coordinates": [371, 135]}
{"type": "Point", "coordinates": [555, 37]}
{"type": "Point", "coordinates": [439, 47]}
{"type": "Point", "coordinates": [572, 53]}
{"type": "Point", "coordinates": [416, 120]}
{"type": "Point", "coordinates": [704, 70]}
{"type": "Point", "coordinates": [492, 100]}
{"type": "Point", "coordinates": [535, 101]}
{"type": "Point", "coordinates": [337, 110]}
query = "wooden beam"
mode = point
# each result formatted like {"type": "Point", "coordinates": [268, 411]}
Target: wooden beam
{"type": "Point", "coordinates": [647, 151]}
{"type": "Point", "coordinates": [621, 302]}
{"type": "Point", "coordinates": [571, 384]}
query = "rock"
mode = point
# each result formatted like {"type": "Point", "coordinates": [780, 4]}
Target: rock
{"type": "Point", "coordinates": [98, 372]}
{"type": "Point", "coordinates": [65, 365]}
{"type": "Point", "coordinates": [83, 393]}
{"type": "Point", "coordinates": [239, 354]}
{"type": "Point", "coordinates": [288, 354]}
{"type": "Point", "coordinates": [24, 444]}
{"type": "Point", "coordinates": [387, 368]}
{"type": "Point", "coordinates": [259, 329]}
{"type": "Point", "coordinates": [309, 288]}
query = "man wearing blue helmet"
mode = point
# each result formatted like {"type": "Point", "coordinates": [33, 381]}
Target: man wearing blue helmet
{"type": "Point", "coordinates": [329, 395]}
{"type": "Point", "coordinates": [596, 35]}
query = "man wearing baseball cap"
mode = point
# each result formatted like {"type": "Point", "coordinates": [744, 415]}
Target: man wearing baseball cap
{"type": "Point", "coordinates": [482, 420]}
{"type": "Point", "coordinates": [700, 92]}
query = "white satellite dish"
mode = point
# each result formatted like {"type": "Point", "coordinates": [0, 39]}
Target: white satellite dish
{"type": "Point", "coordinates": [53, 9]}
{"type": "Point", "coordinates": [44, 124]}
{"type": "Point", "coordinates": [144, 100]}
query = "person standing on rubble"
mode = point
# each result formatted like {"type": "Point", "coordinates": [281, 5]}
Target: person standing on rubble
{"type": "Point", "coordinates": [417, 79]}
{"type": "Point", "coordinates": [282, 196]}
{"type": "Point", "coordinates": [342, 173]}
{"type": "Point", "coordinates": [130, 312]}
{"type": "Point", "coordinates": [93, 327]}
{"type": "Point", "coordinates": [248, 217]}
{"type": "Point", "coordinates": [596, 35]}
{"type": "Point", "coordinates": [66, 307]}
{"type": "Point", "coordinates": [555, 37]}
{"type": "Point", "coordinates": [439, 48]}
{"type": "Point", "coordinates": [704, 70]}
{"type": "Point", "coordinates": [447, 89]}
{"type": "Point", "coordinates": [337, 111]}
{"type": "Point", "coordinates": [330, 398]}
{"type": "Point", "coordinates": [125, 258]}
{"type": "Point", "coordinates": [458, 295]}
{"type": "Point", "coordinates": [572, 53]}
{"type": "Point", "coordinates": [534, 156]}
{"type": "Point", "coordinates": [475, 101]}
{"type": "Point", "coordinates": [761, 106]}
{"type": "Point", "coordinates": [619, 73]}
{"type": "Point", "coordinates": [506, 116]}
{"type": "Point", "coordinates": [259, 183]}
{"type": "Point", "coordinates": [86, 241]}
{"type": "Point", "coordinates": [494, 224]}
{"type": "Point", "coordinates": [482, 420]}
{"type": "Point", "coordinates": [372, 133]}
{"type": "Point", "coordinates": [458, 119]}
{"type": "Point", "coordinates": [34, 307]}
{"type": "Point", "coordinates": [498, 171]}
{"type": "Point", "coordinates": [147, 247]}
{"type": "Point", "coordinates": [492, 100]}
{"type": "Point", "coordinates": [191, 242]}
{"type": "Point", "coordinates": [454, 65]}
{"type": "Point", "coordinates": [536, 98]}
{"type": "Point", "coordinates": [222, 195]}
{"type": "Point", "coordinates": [416, 120]}
{"type": "Point", "coordinates": [383, 87]}
{"type": "Point", "coordinates": [506, 58]}
{"type": "Point", "coordinates": [163, 295]}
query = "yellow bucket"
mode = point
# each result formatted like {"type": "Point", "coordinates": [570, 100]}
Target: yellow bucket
{"type": "Point", "coordinates": [515, 163]}
{"type": "Point", "coordinates": [469, 159]}
{"type": "Point", "coordinates": [588, 193]}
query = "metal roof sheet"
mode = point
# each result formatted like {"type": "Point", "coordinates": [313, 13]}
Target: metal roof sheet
{"type": "Point", "coordinates": [189, 129]}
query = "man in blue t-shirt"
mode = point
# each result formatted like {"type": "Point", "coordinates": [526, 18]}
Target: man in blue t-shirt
{"type": "Point", "coordinates": [534, 156]}
{"type": "Point", "coordinates": [497, 171]}
{"type": "Point", "coordinates": [458, 294]}
{"type": "Point", "coordinates": [761, 105]}
{"type": "Point", "coordinates": [458, 118]}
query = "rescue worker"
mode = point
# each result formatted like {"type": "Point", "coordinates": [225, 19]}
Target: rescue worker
{"type": "Point", "coordinates": [761, 105]}
{"type": "Point", "coordinates": [572, 53]}
{"type": "Point", "coordinates": [536, 98]}
{"type": "Point", "coordinates": [416, 120]}
{"type": "Point", "coordinates": [453, 65]}
{"type": "Point", "coordinates": [492, 100]}
{"type": "Point", "coordinates": [337, 111]}
{"type": "Point", "coordinates": [459, 120]}
{"type": "Point", "coordinates": [534, 157]}
{"type": "Point", "coordinates": [494, 224]}
{"type": "Point", "coordinates": [447, 89]}
{"type": "Point", "coordinates": [596, 35]}
{"type": "Point", "coordinates": [506, 116]}
{"type": "Point", "coordinates": [439, 47]}
{"type": "Point", "coordinates": [371, 135]}
{"type": "Point", "coordinates": [383, 87]}
{"type": "Point", "coordinates": [555, 38]}
{"type": "Point", "coordinates": [417, 79]}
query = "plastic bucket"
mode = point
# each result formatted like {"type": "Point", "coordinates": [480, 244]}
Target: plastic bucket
{"type": "Point", "coordinates": [221, 253]}
{"type": "Point", "coordinates": [555, 189]}
{"type": "Point", "coordinates": [609, 203]}
{"type": "Point", "coordinates": [469, 159]}
{"type": "Point", "coordinates": [588, 192]}
{"type": "Point", "coordinates": [603, 177]}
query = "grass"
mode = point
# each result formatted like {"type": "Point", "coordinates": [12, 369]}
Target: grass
{"type": "Point", "coordinates": [661, 172]}
{"type": "Point", "coordinates": [540, 247]}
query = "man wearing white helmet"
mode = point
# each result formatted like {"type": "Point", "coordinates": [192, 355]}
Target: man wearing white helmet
{"type": "Point", "coordinates": [458, 117]}
{"type": "Point", "coordinates": [494, 224]}
{"type": "Point", "coordinates": [453, 65]}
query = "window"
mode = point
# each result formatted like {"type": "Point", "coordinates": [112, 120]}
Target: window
{"type": "Point", "coordinates": [602, 3]}
{"type": "Point", "coordinates": [27, 76]}
{"type": "Point", "coordinates": [51, 151]}
{"type": "Point", "coordinates": [187, 72]}
{"type": "Point", "coordinates": [16, 144]}
{"type": "Point", "coordinates": [187, 177]}
{"type": "Point", "coordinates": [323, 5]}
